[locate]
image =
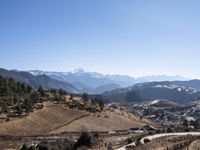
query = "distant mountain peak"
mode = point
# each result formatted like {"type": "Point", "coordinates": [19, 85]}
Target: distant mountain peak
{"type": "Point", "coordinates": [78, 71]}
{"type": "Point", "coordinates": [37, 78]}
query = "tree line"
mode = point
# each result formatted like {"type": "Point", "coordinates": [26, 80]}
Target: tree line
{"type": "Point", "coordinates": [20, 97]}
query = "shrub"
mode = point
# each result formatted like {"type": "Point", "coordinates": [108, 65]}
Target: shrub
{"type": "Point", "coordinates": [150, 133]}
{"type": "Point", "coordinates": [129, 140]}
{"type": "Point", "coordinates": [163, 130]}
{"type": "Point", "coordinates": [32, 148]}
{"type": "Point", "coordinates": [187, 130]}
{"type": "Point", "coordinates": [59, 144]}
{"type": "Point", "coordinates": [169, 130]}
{"type": "Point", "coordinates": [24, 147]}
{"type": "Point", "coordinates": [84, 140]}
{"type": "Point", "coordinates": [42, 147]}
{"type": "Point", "coordinates": [137, 143]}
{"type": "Point", "coordinates": [146, 140]}
{"type": "Point", "coordinates": [158, 131]}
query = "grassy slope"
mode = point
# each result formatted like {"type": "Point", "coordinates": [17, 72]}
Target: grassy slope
{"type": "Point", "coordinates": [41, 122]}
{"type": "Point", "coordinates": [117, 120]}
{"type": "Point", "coordinates": [54, 118]}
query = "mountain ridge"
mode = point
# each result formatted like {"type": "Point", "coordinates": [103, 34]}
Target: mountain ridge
{"type": "Point", "coordinates": [36, 81]}
{"type": "Point", "coordinates": [88, 81]}
{"type": "Point", "coordinates": [154, 90]}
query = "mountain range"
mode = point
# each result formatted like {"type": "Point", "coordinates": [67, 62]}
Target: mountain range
{"type": "Point", "coordinates": [36, 81]}
{"type": "Point", "coordinates": [112, 88]}
{"type": "Point", "coordinates": [96, 83]}
{"type": "Point", "coordinates": [179, 91]}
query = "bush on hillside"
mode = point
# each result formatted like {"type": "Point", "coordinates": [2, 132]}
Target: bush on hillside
{"type": "Point", "coordinates": [84, 140]}
{"type": "Point", "coordinates": [146, 141]}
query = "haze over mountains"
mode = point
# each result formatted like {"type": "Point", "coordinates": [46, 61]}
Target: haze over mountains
{"type": "Point", "coordinates": [36, 81]}
{"type": "Point", "coordinates": [179, 91]}
{"type": "Point", "coordinates": [113, 88]}
{"type": "Point", "coordinates": [93, 82]}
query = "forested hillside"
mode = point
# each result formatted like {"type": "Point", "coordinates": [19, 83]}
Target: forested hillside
{"type": "Point", "coordinates": [35, 81]}
{"type": "Point", "coordinates": [175, 91]}
{"type": "Point", "coordinates": [17, 98]}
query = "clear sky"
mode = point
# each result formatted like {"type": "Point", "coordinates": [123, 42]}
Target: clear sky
{"type": "Point", "coordinates": [133, 37]}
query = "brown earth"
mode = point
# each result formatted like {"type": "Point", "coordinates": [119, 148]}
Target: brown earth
{"type": "Point", "coordinates": [195, 145]}
{"type": "Point", "coordinates": [55, 119]}
{"type": "Point", "coordinates": [41, 122]}
{"type": "Point", "coordinates": [115, 120]}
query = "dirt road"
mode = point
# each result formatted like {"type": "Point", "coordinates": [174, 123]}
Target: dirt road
{"type": "Point", "coordinates": [152, 137]}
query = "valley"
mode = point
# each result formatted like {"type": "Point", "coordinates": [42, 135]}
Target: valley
{"type": "Point", "coordinates": [99, 75]}
{"type": "Point", "coordinates": [121, 118]}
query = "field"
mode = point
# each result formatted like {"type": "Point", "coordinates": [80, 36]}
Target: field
{"type": "Point", "coordinates": [114, 120]}
{"type": "Point", "coordinates": [55, 119]}
{"type": "Point", "coordinates": [41, 122]}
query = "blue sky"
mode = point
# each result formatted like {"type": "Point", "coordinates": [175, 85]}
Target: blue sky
{"type": "Point", "coordinates": [133, 37]}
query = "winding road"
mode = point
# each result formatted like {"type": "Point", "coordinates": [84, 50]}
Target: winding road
{"type": "Point", "coordinates": [152, 137]}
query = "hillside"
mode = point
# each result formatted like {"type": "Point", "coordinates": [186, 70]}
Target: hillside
{"type": "Point", "coordinates": [36, 81]}
{"type": "Point", "coordinates": [54, 118]}
{"type": "Point", "coordinates": [106, 87]}
{"type": "Point", "coordinates": [88, 79]}
{"type": "Point", "coordinates": [162, 103]}
{"type": "Point", "coordinates": [94, 83]}
{"type": "Point", "coordinates": [109, 120]}
{"type": "Point", "coordinates": [154, 90]}
{"type": "Point", "coordinates": [41, 122]}
{"type": "Point", "coordinates": [42, 112]}
{"type": "Point", "coordinates": [190, 83]}
{"type": "Point", "coordinates": [16, 97]}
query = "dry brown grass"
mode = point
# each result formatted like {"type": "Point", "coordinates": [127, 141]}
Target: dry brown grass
{"type": "Point", "coordinates": [117, 120]}
{"type": "Point", "coordinates": [41, 122]}
{"type": "Point", "coordinates": [195, 145]}
{"type": "Point", "coordinates": [55, 119]}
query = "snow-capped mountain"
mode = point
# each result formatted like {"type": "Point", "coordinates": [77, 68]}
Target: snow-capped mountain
{"type": "Point", "coordinates": [92, 81]}
{"type": "Point", "coordinates": [38, 80]}
{"type": "Point", "coordinates": [154, 91]}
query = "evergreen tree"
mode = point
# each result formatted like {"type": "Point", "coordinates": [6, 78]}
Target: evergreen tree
{"type": "Point", "coordinates": [35, 97]}
{"type": "Point", "coordinates": [71, 97]}
{"type": "Point", "coordinates": [185, 123]}
{"type": "Point", "coordinates": [27, 105]}
{"type": "Point", "coordinates": [29, 89]}
{"type": "Point", "coordinates": [101, 104]}
{"type": "Point", "coordinates": [85, 96]}
{"type": "Point", "coordinates": [62, 92]}
{"type": "Point", "coordinates": [84, 140]}
{"type": "Point", "coordinates": [41, 91]}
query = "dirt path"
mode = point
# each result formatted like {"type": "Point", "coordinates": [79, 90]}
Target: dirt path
{"type": "Point", "coordinates": [168, 134]}
{"type": "Point", "coordinates": [152, 137]}
{"type": "Point", "coordinates": [58, 127]}
{"type": "Point", "coordinates": [42, 121]}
